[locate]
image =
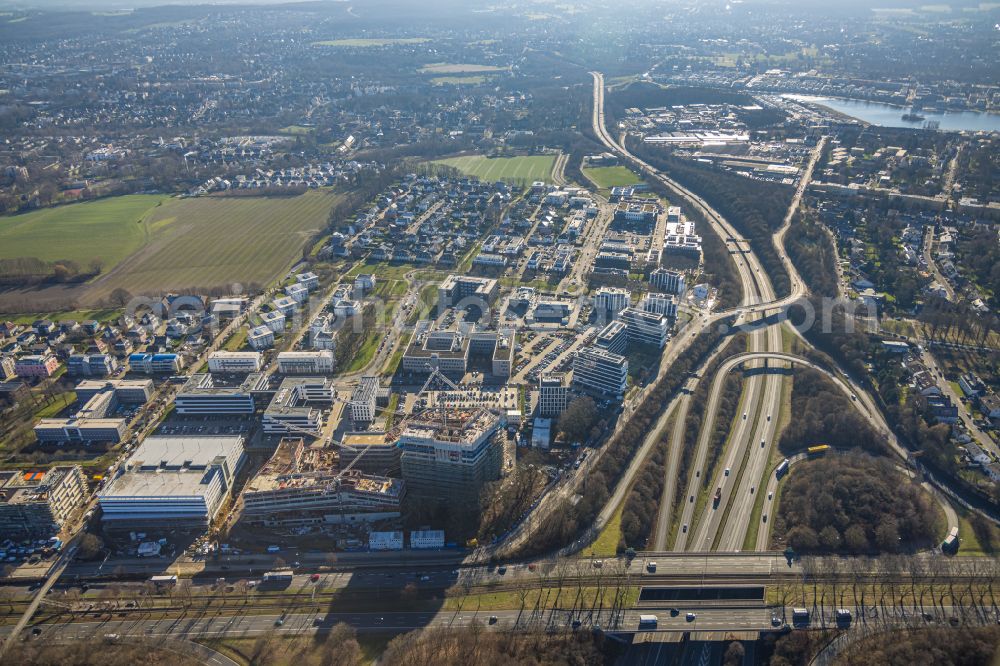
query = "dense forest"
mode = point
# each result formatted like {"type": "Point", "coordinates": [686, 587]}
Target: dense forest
{"type": "Point", "coordinates": [854, 503]}
{"type": "Point", "coordinates": [809, 247]}
{"type": "Point", "coordinates": [824, 415]}
{"type": "Point", "coordinates": [755, 208]}
{"type": "Point", "coordinates": [979, 254]}
{"type": "Point", "coordinates": [941, 646]}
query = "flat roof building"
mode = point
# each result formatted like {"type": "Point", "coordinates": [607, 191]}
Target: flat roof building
{"type": "Point", "coordinates": [473, 290]}
{"type": "Point", "coordinates": [646, 328]}
{"type": "Point", "coordinates": [553, 394]}
{"type": "Point", "coordinates": [173, 482]}
{"type": "Point", "coordinates": [428, 349]}
{"type": "Point", "coordinates": [599, 371]}
{"type": "Point", "coordinates": [36, 504]}
{"type": "Point", "coordinates": [305, 362]}
{"type": "Point", "coordinates": [363, 401]}
{"type": "Point", "coordinates": [201, 395]}
{"type": "Point", "coordinates": [234, 362]}
{"type": "Point", "coordinates": [295, 406]}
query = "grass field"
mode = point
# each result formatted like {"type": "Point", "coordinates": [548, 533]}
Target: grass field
{"type": "Point", "coordinates": [203, 242]}
{"type": "Point", "coordinates": [107, 229]}
{"type": "Point", "coordinates": [368, 43]}
{"type": "Point", "coordinates": [525, 168]}
{"type": "Point", "coordinates": [612, 176]}
{"type": "Point", "coordinates": [150, 245]}
{"type": "Point", "coordinates": [459, 68]}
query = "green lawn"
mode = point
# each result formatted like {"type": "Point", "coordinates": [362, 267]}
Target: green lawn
{"type": "Point", "coordinates": [106, 229]}
{"type": "Point", "coordinates": [459, 68]}
{"type": "Point", "coordinates": [606, 544]}
{"type": "Point", "coordinates": [612, 176]}
{"type": "Point", "coordinates": [524, 168]}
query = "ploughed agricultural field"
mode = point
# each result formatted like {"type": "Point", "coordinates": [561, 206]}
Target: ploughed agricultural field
{"type": "Point", "coordinates": [151, 245]}
{"type": "Point", "coordinates": [524, 168]}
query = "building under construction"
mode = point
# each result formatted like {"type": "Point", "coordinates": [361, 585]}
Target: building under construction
{"type": "Point", "coordinates": [449, 453]}
{"type": "Point", "coordinates": [302, 486]}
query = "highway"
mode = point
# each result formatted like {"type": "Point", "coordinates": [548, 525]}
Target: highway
{"type": "Point", "coordinates": [761, 393]}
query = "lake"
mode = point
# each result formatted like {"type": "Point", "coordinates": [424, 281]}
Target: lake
{"type": "Point", "coordinates": [889, 115]}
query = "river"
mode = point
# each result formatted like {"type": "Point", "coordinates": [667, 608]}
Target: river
{"type": "Point", "coordinates": [889, 115]}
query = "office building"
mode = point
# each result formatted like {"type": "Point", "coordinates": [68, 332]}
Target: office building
{"type": "Point", "coordinates": [553, 394]}
{"type": "Point", "coordinates": [450, 459]}
{"type": "Point", "coordinates": [599, 371]}
{"type": "Point", "coordinates": [428, 349]}
{"type": "Point", "coordinates": [202, 395]}
{"type": "Point", "coordinates": [496, 348]}
{"type": "Point", "coordinates": [301, 486]}
{"type": "Point", "coordinates": [173, 482]}
{"type": "Point", "coordinates": [662, 304]}
{"type": "Point", "coordinates": [613, 337]}
{"type": "Point", "coordinates": [363, 401]}
{"type": "Point", "coordinates": [296, 406]}
{"type": "Point", "coordinates": [234, 362]}
{"type": "Point", "coordinates": [126, 391]}
{"type": "Point", "coordinates": [37, 504]}
{"type": "Point", "coordinates": [609, 301]}
{"type": "Point", "coordinates": [646, 328]}
{"type": "Point", "coordinates": [671, 282]}
{"type": "Point", "coordinates": [305, 362]}
{"type": "Point", "coordinates": [472, 290]}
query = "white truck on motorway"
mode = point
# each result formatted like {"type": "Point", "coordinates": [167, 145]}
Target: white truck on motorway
{"type": "Point", "coordinates": [647, 622]}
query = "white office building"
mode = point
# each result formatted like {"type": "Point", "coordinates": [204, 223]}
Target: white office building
{"type": "Point", "coordinates": [201, 396]}
{"type": "Point", "coordinates": [671, 282]}
{"type": "Point", "coordinates": [662, 304]}
{"type": "Point", "coordinates": [173, 482]}
{"type": "Point", "coordinates": [305, 363]}
{"type": "Point", "coordinates": [611, 300]}
{"type": "Point", "coordinates": [363, 401]}
{"type": "Point", "coordinates": [230, 362]}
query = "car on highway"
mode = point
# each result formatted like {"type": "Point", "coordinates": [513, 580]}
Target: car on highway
{"type": "Point", "coordinates": [775, 621]}
{"type": "Point", "coordinates": [576, 624]}
{"type": "Point", "coordinates": [768, 417]}
{"type": "Point", "coordinates": [314, 577]}
{"type": "Point", "coordinates": [651, 567]}
{"type": "Point", "coordinates": [744, 416]}
{"type": "Point", "coordinates": [770, 494]}
{"type": "Point", "coordinates": [690, 617]}
{"type": "Point", "coordinates": [493, 619]}
{"type": "Point", "coordinates": [727, 471]}
{"type": "Point", "coordinates": [764, 518]}
{"type": "Point", "coordinates": [685, 528]}
{"type": "Point", "coordinates": [501, 570]}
